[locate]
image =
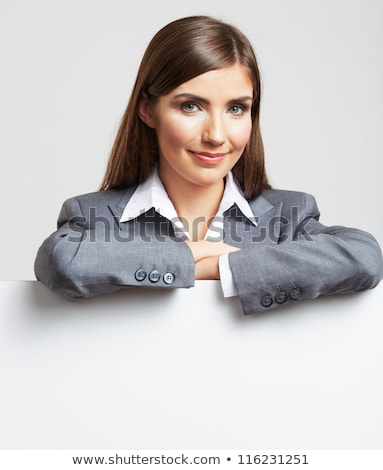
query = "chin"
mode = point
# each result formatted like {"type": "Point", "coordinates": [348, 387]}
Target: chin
{"type": "Point", "coordinates": [208, 180]}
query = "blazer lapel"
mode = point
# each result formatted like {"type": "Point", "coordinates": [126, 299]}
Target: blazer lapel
{"type": "Point", "coordinates": [117, 208]}
{"type": "Point", "coordinates": [238, 230]}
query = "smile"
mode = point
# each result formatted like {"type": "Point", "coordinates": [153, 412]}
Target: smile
{"type": "Point", "coordinates": [207, 157]}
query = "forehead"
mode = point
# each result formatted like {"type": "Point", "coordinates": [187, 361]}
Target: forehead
{"type": "Point", "coordinates": [234, 80]}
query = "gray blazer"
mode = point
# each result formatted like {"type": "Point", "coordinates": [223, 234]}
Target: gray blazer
{"type": "Point", "coordinates": [289, 256]}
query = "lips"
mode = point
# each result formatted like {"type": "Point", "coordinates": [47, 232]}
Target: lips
{"type": "Point", "coordinates": [207, 157]}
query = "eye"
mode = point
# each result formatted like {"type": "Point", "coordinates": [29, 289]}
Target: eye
{"type": "Point", "coordinates": [237, 110]}
{"type": "Point", "coordinates": [190, 107]}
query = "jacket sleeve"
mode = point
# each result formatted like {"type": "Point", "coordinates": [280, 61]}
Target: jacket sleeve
{"type": "Point", "coordinates": [81, 259]}
{"type": "Point", "coordinates": [316, 260]}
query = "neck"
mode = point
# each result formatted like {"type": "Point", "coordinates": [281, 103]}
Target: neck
{"type": "Point", "coordinates": [196, 204]}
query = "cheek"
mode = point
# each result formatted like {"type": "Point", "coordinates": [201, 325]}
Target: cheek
{"type": "Point", "coordinates": [175, 133]}
{"type": "Point", "coordinates": [240, 131]}
{"type": "Point", "coordinates": [241, 134]}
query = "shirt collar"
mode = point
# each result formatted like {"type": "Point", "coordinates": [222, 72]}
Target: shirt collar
{"type": "Point", "coordinates": [233, 194]}
{"type": "Point", "coordinates": [152, 194]}
{"type": "Point", "coordinates": [149, 194]}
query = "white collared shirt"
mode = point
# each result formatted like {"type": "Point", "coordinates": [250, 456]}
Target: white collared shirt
{"type": "Point", "coordinates": [152, 194]}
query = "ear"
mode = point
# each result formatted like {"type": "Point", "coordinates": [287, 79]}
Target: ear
{"type": "Point", "coordinates": [146, 111]}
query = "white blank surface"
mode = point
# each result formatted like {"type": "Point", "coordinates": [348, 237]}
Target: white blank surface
{"type": "Point", "coordinates": [156, 369]}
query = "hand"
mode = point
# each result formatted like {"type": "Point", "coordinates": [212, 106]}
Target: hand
{"type": "Point", "coordinates": [207, 268]}
{"type": "Point", "coordinates": [206, 257]}
{"type": "Point", "coordinates": [206, 249]}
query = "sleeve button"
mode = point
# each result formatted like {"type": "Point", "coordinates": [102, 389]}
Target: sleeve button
{"type": "Point", "coordinates": [154, 276]}
{"type": "Point", "coordinates": [140, 275]}
{"type": "Point", "coordinates": [169, 278]}
{"type": "Point", "coordinates": [295, 293]}
{"type": "Point", "coordinates": [280, 297]}
{"type": "Point", "coordinates": [266, 300]}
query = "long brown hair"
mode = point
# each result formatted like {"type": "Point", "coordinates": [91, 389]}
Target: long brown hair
{"type": "Point", "coordinates": [179, 52]}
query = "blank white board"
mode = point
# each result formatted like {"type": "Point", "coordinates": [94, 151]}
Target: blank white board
{"type": "Point", "coordinates": [185, 369]}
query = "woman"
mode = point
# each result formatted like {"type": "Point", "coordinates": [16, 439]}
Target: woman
{"type": "Point", "coordinates": [185, 195]}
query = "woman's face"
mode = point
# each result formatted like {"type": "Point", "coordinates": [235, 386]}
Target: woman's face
{"type": "Point", "coordinates": [202, 126]}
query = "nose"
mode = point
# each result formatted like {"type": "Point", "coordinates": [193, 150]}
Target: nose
{"type": "Point", "coordinates": [214, 131]}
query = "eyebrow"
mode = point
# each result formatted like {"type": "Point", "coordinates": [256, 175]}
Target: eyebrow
{"type": "Point", "coordinates": [192, 97]}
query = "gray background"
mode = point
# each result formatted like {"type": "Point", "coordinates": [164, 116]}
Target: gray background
{"type": "Point", "coordinates": [67, 68]}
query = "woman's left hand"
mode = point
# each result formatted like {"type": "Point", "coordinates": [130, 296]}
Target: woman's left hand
{"type": "Point", "coordinates": [206, 256]}
{"type": "Point", "coordinates": [207, 268]}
